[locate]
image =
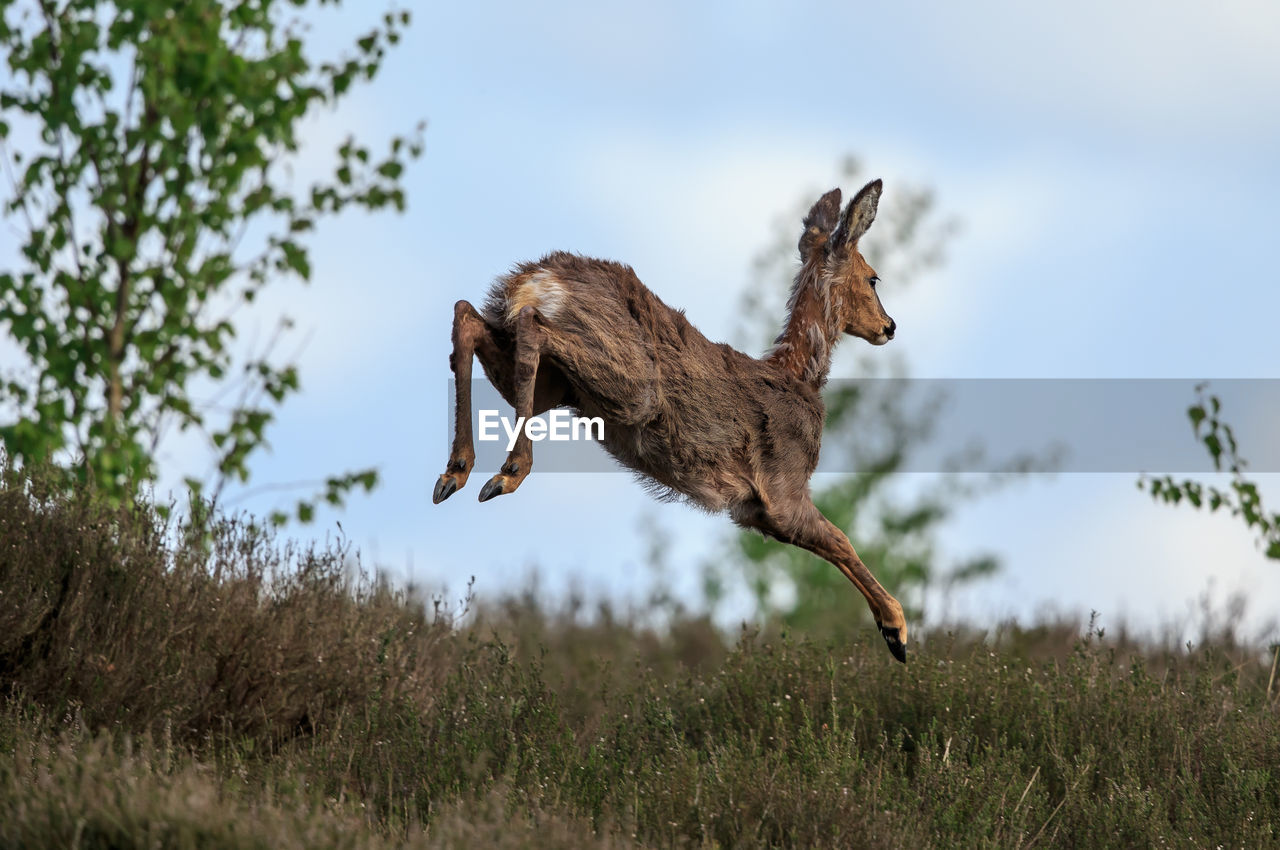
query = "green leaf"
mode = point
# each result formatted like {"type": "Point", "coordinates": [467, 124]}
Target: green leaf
{"type": "Point", "coordinates": [1196, 414]}
{"type": "Point", "coordinates": [295, 258]}
{"type": "Point", "coordinates": [1214, 445]}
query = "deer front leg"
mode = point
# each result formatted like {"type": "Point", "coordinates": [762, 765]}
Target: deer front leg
{"type": "Point", "coordinates": [470, 335]}
{"type": "Point", "coordinates": [807, 528]}
{"type": "Point", "coordinates": [831, 544]}
{"type": "Point", "coordinates": [530, 341]}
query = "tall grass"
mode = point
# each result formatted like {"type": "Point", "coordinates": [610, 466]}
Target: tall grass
{"type": "Point", "coordinates": [220, 690]}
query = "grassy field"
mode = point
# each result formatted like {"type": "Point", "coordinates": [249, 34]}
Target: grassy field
{"type": "Point", "coordinates": [222, 691]}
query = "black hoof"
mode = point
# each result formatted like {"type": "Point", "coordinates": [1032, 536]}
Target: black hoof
{"type": "Point", "coordinates": [445, 488]}
{"type": "Point", "coordinates": [896, 646]}
{"type": "Point", "coordinates": [491, 488]}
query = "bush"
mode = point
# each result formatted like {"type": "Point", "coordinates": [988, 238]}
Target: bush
{"type": "Point", "coordinates": [214, 690]}
{"type": "Point", "coordinates": [124, 620]}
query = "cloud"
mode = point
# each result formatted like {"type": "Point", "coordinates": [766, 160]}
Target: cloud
{"type": "Point", "coordinates": [691, 213]}
{"type": "Point", "coordinates": [696, 211]}
{"type": "Point", "coordinates": [1093, 542]}
{"type": "Point", "coordinates": [1208, 70]}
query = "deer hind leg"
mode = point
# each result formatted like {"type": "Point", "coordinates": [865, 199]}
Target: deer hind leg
{"type": "Point", "coordinates": [471, 336]}
{"type": "Point", "coordinates": [808, 529]}
{"type": "Point", "coordinates": [531, 341]}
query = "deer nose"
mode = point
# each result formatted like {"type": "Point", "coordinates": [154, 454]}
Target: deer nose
{"type": "Point", "coordinates": [890, 328]}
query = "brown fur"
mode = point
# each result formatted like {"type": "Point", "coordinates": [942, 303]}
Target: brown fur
{"type": "Point", "coordinates": [696, 419]}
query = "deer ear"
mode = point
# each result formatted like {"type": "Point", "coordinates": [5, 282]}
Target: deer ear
{"type": "Point", "coordinates": [860, 213]}
{"type": "Point", "coordinates": [819, 223]}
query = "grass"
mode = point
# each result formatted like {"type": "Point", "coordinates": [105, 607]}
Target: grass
{"type": "Point", "coordinates": [222, 691]}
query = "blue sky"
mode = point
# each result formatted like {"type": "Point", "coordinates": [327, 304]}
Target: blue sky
{"type": "Point", "coordinates": [1114, 167]}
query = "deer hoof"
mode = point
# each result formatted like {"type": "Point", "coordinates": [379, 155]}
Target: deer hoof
{"type": "Point", "coordinates": [493, 487]}
{"type": "Point", "coordinates": [445, 487]}
{"type": "Point", "coordinates": [896, 646]}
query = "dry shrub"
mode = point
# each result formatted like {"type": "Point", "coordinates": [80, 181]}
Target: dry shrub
{"type": "Point", "coordinates": [300, 704]}
{"type": "Point", "coordinates": [106, 792]}
{"type": "Point", "coordinates": [506, 819]}
{"type": "Point", "coordinates": [138, 624]}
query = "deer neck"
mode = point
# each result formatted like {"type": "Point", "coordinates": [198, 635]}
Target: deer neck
{"type": "Point", "coordinates": [813, 329]}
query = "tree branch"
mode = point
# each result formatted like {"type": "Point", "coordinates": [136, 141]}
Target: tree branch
{"type": "Point", "coordinates": [128, 231]}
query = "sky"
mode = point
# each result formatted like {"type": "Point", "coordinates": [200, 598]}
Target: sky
{"type": "Point", "coordinates": [1113, 167]}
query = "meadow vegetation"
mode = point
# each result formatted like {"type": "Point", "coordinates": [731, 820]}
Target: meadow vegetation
{"type": "Point", "coordinates": [166, 688]}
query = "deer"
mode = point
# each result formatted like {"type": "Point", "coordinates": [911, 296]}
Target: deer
{"type": "Point", "coordinates": [698, 421]}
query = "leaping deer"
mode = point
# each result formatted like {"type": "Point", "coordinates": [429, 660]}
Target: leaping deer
{"type": "Point", "coordinates": [700, 420]}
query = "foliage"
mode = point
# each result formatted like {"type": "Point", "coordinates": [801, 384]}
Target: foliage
{"type": "Point", "coordinates": [870, 423]}
{"type": "Point", "coordinates": [116, 616]}
{"type": "Point", "coordinates": [149, 148]}
{"type": "Point", "coordinates": [534, 728]}
{"type": "Point", "coordinates": [1240, 498]}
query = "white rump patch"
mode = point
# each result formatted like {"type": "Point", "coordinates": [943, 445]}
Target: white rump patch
{"type": "Point", "coordinates": [542, 291]}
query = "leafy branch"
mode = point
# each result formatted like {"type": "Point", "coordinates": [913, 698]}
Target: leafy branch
{"type": "Point", "coordinates": [147, 149]}
{"type": "Point", "coordinates": [1240, 498]}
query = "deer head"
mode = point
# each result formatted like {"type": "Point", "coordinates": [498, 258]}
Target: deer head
{"type": "Point", "coordinates": [850, 282]}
